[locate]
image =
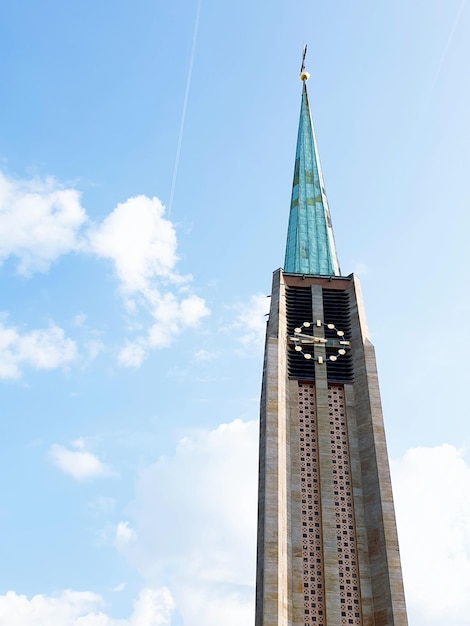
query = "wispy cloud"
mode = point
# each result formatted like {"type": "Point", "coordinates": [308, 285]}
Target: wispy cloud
{"type": "Point", "coordinates": [42, 349]}
{"type": "Point", "coordinates": [74, 608]}
{"type": "Point", "coordinates": [250, 323]}
{"type": "Point", "coordinates": [205, 355]}
{"type": "Point", "coordinates": [141, 244]}
{"type": "Point", "coordinates": [39, 221]}
{"type": "Point", "coordinates": [78, 462]}
{"type": "Point", "coordinates": [124, 534]}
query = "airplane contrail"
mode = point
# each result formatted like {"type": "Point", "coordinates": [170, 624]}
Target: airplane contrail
{"type": "Point", "coordinates": [448, 43]}
{"type": "Point", "coordinates": [185, 106]}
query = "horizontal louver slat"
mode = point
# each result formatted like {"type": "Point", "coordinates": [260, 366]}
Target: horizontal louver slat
{"type": "Point", "coordinates": [299, 310]}
{"type": "Point", "coordinates": [336, 310]}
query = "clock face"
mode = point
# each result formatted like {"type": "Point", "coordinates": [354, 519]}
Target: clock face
{"type": "Point", "coordinates": [304, 342]}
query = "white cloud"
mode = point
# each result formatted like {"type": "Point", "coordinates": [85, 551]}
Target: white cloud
{"type": "Point", "coordinates": [141, 243]}
{"type": "Point", "coordinates": [432, 500]}
{"type": "Point", "coordinates": [43, 349]}
{"type": "Point", "coordinates": [172, 315]}
{"type": "Point", "coordinates": [133, 353]}
{"type": "Point", "coordinates": [78, 463]}
{"type": "Point", "coordinates": [39, 221]}
{"type": "Point", "coordinates": [153, 607]}
{"type": "Point", "coordinates": [194, 517]}
{"type": "Point", "coordinates": [194, 522]}
{"type": "Point", "coordinates": [216, 604]}
{"type": "Point", "coordinates": [205, 355]}
{"type": "Point", "coordinates": [250, 323]}
{"type": "Point", "coordinates": [124, 534]}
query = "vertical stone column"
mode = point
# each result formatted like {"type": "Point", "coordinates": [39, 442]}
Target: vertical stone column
{"type": "Point", "coordinates": [272, 596]}
{"type": "Point", "coordinates": [384, 557]}
{"type": "Point", "coordinates": [359, 516]}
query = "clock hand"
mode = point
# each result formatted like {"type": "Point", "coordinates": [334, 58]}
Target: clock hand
{"type": "Point", "coordinates": [311, 338]}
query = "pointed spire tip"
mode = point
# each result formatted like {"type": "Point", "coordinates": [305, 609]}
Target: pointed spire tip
{"type": "Point", "coordinates": [304, 75]}
{"type": "Point", "coordinates": [310, 246]}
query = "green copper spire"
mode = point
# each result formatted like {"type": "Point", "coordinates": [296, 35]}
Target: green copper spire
{"type": "Point", "coordinates": [310, 245]}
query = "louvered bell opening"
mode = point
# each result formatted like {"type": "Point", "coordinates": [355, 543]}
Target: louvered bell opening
{"type": "Point", "coordinates": [299, 310]}
{"type": "Point", "coordinates": [336, 310]}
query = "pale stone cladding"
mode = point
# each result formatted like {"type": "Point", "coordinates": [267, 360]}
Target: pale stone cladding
{"type": "Point", "coordinates": [327, 541]}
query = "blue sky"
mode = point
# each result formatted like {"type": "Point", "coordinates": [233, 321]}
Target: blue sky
{"type": "Point", "coordinates": [131, 336]}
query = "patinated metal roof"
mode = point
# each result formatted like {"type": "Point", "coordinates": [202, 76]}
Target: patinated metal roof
{"type": "Point", "coordinates": [310, 245]}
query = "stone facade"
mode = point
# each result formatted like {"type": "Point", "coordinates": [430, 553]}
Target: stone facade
{"type": "Point", "coordinates": [327, 542]}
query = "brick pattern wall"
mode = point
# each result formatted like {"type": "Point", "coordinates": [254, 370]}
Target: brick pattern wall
{"type": "Point", "coordinates": [312, 542]}
{"type": "Point", "coordinates": [344, 510]}
{"type": "Point", "coordinates": [312, 548]}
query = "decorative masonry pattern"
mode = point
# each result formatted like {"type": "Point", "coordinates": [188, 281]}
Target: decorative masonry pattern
{"type": "Point", "coordinates": [312, 546]}
{"type": "Point", "coordinates": [344, 511]}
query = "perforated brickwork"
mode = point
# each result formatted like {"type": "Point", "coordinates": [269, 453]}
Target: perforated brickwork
{"type": "Point", "coordinates": [312, 544]}
{"type": "Point", "coordinates": [344, 509]}
{"type": "Point", "coordinates": [312, 548]}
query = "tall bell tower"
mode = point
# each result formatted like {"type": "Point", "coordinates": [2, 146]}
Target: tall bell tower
{"type": "Point", "coordinates": [327, 541]}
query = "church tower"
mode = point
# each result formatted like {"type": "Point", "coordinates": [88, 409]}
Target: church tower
{"type": "Point", "coordinates": [327, 541]}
